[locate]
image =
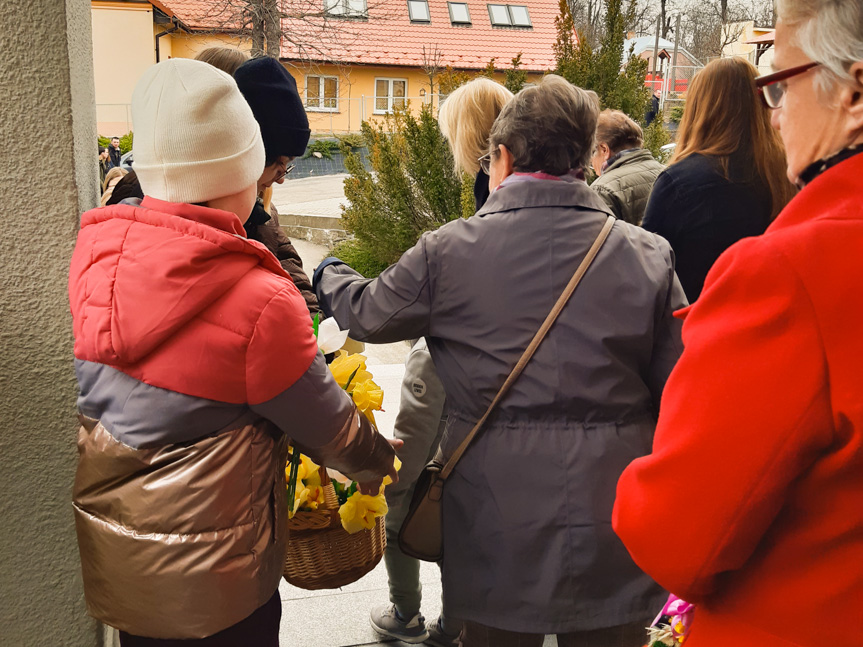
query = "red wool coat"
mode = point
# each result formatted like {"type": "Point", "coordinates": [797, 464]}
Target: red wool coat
{"type": "Point", "coordinates": [751, 504]}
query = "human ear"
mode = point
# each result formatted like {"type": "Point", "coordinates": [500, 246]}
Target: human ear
{"type": "Point", "coordinates": [507, 161]}
{"type": "Point", "coordinates": [851, 98]}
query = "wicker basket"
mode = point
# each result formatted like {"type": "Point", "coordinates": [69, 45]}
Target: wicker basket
{"type": "Point", "coordinates": [321, 554]}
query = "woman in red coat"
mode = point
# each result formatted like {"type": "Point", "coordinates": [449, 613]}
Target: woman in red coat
{"type": "Point", "coordinates": [751, 504]}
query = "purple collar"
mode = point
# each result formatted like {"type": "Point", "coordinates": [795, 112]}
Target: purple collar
{"type": "Point", "coordinates": [573, 175]}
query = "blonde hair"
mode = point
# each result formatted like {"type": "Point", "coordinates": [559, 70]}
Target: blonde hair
{"type": "Point", "coordinates": [466, 118]}
{"type": "Point", "coordinates": [266, 196]}
{"type": "Point", "coordinates": [115, 172]}
{"type": "Point", "coordinates": [617, 131]}
{"type": "Point", "coordinates": [226, 59]}
{"type": "Point", "coordinates": [724, 115]}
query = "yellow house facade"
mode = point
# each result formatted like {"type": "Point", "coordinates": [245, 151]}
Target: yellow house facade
{"type": "Point", "coordinates": [752, 43]}
{"type": "Point", "coordinates": [126, 38]}
{"type": "Point", "coordinates": [123, 47]}
{"type": "Point", "coordinates": [385, 68]}
{"type": "Point", "coordinates": [339, 98]}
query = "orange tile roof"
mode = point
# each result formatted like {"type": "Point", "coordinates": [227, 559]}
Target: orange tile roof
{"type": "Point", "coordinates": [206, 15]}
{"type": "Point", "coordinates": [763, 39]}
{"type": "Point", "coordinates": [389, 38]}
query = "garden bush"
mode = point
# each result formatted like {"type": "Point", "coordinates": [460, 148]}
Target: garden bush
{"type": "Point", "coordinates": [411, 188]}
{"type": "Point", "coordinates": [358, 257]}
{"type": "Point", "coordinates": [326, 148]}
{"type": "Point", "coordinates": [351, 140]}
{"type": "Point", "coordinates": [619, 86]}
{"type": "Point", "coordinates": [656, 136]}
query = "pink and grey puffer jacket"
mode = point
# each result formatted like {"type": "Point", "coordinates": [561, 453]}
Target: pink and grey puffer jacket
{"type": "Point", "coordinates": [195, 358]}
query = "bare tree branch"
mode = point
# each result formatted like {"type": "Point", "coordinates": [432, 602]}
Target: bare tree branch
{"type": "Point", "coordinates": [305, 30]}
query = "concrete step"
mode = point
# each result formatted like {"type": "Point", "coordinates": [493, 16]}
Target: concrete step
{"type": "Point", "coordinates": [321, 230]}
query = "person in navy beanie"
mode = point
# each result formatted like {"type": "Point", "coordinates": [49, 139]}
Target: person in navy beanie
{"type": "Point", "coordinates": [271, 92]}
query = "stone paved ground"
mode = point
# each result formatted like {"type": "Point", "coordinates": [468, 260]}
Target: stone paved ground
{"type": "Point", "coordinates": [311, 196]}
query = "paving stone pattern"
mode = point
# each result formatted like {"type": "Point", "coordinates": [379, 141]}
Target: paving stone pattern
{"type": "Point", "coordinates": [313, 196]}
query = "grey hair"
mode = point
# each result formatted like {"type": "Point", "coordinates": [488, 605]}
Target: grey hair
{"type": "Point", "coordinates": [548, 127]}
{"type": "Point", "coordinates": [829, 32]}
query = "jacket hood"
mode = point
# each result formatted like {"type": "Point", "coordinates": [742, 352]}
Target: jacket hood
{"type": "Point", "coordinates": [141, 273]}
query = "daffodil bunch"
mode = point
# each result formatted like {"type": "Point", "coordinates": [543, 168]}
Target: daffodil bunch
{"type": "Point", "coordinates": [349, 369]}
{"type": "Point", "coordinates": [352, 375]}
{"type": "Point", "coordinates": [308, 493]}
{"type": "Point", "coordinates": [359, 511]}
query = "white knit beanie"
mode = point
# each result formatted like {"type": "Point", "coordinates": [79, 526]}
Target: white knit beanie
{"type": "Point", "coordinates": [196, 138]}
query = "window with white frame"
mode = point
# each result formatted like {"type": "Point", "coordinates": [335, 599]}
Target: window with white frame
{"type": "Point", "coordinates": [509, 15]}
{"type": "Point", "coordinates": [418, 10]}
{"type": "Point", "coordinates": [459, 14]}
{"type": "Point", "coordinates": [520, 16]}
{"type": "Point", "coordinates": [389, 94]}
{"type": "Point", "coordinates": [322, 93]}
{"type": "Point", "coordinates": [346, 8]}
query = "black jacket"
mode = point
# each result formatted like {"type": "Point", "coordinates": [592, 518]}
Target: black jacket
{"type": "Point", "coordinates": [702, 213]}
{"type": "Point", "coordinates": [652, 112]}
{"type": "Point", "coordinates": [114, 156]}
{"type": "Point", "coordinates": [480, 189]}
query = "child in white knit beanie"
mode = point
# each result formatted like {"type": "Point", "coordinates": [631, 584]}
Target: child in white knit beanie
{"type": "Point", "coordinates": [196, 138]}
{"type": "Point", "coordinates": [195, 356]}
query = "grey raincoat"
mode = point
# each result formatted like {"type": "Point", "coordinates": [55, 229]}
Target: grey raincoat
{"type": "Point", "coordinates": [528, 543]}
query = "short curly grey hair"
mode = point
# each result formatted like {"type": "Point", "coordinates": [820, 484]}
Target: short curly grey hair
{"type": "Point", "coordinates": [548, 127]}
{"type": "Point", "coordinates": [829, 32]}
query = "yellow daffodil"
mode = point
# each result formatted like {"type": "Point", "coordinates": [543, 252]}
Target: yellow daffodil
{"type": "Point", "coordinates": [368, 396]}
{"type": "Point", "coordinates": [309, 471]}
{"type": "Point", "coordinates": [360, 511]}
{"type": "Point", "coordinates": [388, 479]}
{"type": "Point", "coordinates": [344, 365]}
{"type": "Point", "coordinates": [316, 497]}
{"type": "Point", "coordinates": [301, 496]}
{"type": "Point", "coordinates": [308, 494]}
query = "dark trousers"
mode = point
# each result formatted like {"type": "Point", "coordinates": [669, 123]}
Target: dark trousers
{"type": "Point", "coordinates": [633, 634]}
{"type": "Point", "coordinates": [261, 629]}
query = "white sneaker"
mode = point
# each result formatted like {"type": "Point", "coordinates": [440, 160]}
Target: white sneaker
{"type": "Point", "coordinates": [386, 621]}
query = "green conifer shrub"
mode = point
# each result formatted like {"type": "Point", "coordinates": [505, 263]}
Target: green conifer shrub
{"type": "Point", "coordinates": [412, 188]}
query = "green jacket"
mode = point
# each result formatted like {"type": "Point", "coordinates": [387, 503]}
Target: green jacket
{"type": "Point", "coordinates": [626, 184]}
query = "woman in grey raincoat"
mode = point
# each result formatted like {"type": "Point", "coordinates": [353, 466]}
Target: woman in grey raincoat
{"type": "Point", "coordinates": [528, 544]}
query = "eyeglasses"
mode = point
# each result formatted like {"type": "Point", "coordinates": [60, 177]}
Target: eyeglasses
{"type": "Point", "coordinates": [288, 169]}
{"type": "Point", "coordinates": [485, 163]}
{"type": "Point", "coordinates": [772, 87]}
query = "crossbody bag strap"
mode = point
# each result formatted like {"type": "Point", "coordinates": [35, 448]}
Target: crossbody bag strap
{"type": "Point", "coordinates": [534, 344]}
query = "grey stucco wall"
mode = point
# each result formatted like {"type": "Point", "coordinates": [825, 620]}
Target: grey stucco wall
{"type": "Point", "coordinates": [47, 174]}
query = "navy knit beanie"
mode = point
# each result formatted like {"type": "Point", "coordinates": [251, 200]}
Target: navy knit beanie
{"type": "Point", "coordinates": [272, 94]}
